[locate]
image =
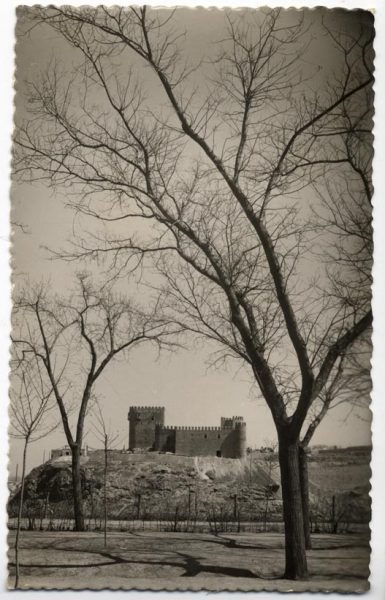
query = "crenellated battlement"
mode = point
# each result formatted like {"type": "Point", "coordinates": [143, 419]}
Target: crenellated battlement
{"type": "Point", "coordinates": [145, 408]}
{"type": "Point", "coordinates": [187, 428]}
{"type": "Point", "coordinates": [199, 427]}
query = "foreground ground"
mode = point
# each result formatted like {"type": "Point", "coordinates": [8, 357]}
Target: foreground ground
{"type": "Point", "coordinates": [184, 561]}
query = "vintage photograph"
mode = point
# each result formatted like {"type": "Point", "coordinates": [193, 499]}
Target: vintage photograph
{"type": "Point", "coordinates": [191, 325]}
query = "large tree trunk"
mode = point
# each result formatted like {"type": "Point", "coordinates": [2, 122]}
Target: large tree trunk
{"type": "Point", "coordinates": [295, 548]}
{"type": "Point", "coordinates": [77, 488]}
{"type": "Point", "coordinates": [20, 513]}
{"type": "Point", "coordinates": [304, 479]}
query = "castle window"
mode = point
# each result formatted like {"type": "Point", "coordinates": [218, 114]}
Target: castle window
{"type": "Point", "coordinates": [219, 436]}
{"type": "Point", "coordinates": [205, 435]}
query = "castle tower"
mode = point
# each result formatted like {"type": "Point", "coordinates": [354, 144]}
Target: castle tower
{"type": "Point", "coordinates": [143, 420]}
{"type": "Point", "coordinates": [230, 422]}
{"type": "Point", "coordinates": [240, 439]}
{"type": "Point", "coordinates": [234, 445]}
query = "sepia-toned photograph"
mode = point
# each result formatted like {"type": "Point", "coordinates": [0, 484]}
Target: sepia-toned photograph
{"type": "Point", "coordinates": [190, 363]}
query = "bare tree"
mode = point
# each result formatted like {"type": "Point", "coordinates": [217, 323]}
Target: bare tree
{"type": "Point", "coordinates": [31, 419]}
{"type": "Point", "coordinates": [73, 341]}
{"type": "Point", "coordinates": [231, 181]}
{"type": "Point", "coordinates": [108, 439]}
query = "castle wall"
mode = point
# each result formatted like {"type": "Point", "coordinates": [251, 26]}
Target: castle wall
{"type": "Point", "coordinates": [164, 439]}
{"type": "Point", "coordinates": [143, 421]}
{"type": "Point", "coordinates": [210, 441]}
{"type": "Point", "coordinates": [147, 431]}
{"type": "Point", "coordinates": [200, 441]}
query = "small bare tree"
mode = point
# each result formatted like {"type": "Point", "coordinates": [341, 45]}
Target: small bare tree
{"type": "Point", "coordinates": [74, 340]}
{"type": "Point", "coordinates": [109, 441]}
{"type": "Point", "coordinates": [31, 419]}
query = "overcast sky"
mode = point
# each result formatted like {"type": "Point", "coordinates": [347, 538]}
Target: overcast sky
{"type": "Point", "coordinates": [191, 393]}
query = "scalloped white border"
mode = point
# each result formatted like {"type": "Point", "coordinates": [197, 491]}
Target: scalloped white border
{"type": "Point", "coordinates": [377, 577]}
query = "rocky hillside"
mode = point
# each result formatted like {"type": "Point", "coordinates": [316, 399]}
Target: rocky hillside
{"type": "Point", "coordinates": [152, 485]}
{"type": "Point", "coordinates": [159, 486]}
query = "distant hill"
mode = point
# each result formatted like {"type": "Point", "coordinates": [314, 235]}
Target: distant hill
{"type": "Point", "coordinates": [155, 486]}
{"type": "Point", "coordinates": [342, 473]}
{"type": "Point", "coordinates": [340, 469]}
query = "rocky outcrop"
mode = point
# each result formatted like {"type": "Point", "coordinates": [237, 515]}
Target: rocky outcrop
{"type": "Point", "coordinates": [151, 485]}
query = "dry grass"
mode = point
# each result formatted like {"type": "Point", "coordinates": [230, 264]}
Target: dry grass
{"type": "Point", "coordinates": [186, 561]}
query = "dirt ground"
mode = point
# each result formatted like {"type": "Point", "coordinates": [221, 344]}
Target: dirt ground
{"type": "Point", "coordinates": [185, 561]}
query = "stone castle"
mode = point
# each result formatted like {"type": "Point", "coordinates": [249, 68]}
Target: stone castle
{"type": "Point", "coordinates": [147, 431]}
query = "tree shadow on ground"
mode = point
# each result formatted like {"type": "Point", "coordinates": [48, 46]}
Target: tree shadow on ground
{"type": "Point", "coordinates": [231, 543]}
{"type": "Point", "coordinates": [194, 567]}
{"type": "Point", "coordinates": [191, 565]}
{"type": "Point", "coordinates": [279, 545]}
